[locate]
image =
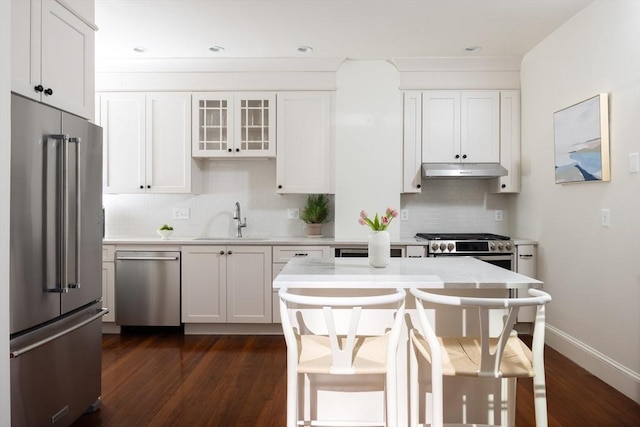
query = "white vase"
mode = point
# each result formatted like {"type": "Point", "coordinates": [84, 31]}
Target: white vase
{"type": "Point", "coordinates": [379, 248]}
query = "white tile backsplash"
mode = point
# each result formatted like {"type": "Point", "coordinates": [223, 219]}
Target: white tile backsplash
{"type": "Point", "coordinates": [443, 206]}
{"type": "Point", "coordinates": [454, 206]}
{"type": "Point", "coordinates": [225, 182]}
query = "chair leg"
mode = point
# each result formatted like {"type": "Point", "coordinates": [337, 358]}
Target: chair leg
{"type": "Point", "coordinates": [292, 397]}
{"type": "Point", "coordinates": [391, 398]}
{"type": "Point", "coordinates": [414, 387]}
{"type": "Point", "coordinates": [512, 386]}
{"type": "Point", "coordinates": [437, 390]}
{"type": "Point", "coordinates": [540, 399]}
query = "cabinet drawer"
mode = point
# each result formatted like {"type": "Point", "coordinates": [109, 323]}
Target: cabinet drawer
{"type": "Point", "coordinates": [285, 253]}
{"type": "Point", "coordinates": [108, 253]}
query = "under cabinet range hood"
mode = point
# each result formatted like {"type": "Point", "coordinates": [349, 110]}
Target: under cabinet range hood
{"type": "Point", "coordinates": [463, 170]}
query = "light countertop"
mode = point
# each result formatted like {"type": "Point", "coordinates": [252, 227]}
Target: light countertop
{"type": "Point", "coordinates": [435, 273]}
{"type": "Point", "coordinates": [268, 241]}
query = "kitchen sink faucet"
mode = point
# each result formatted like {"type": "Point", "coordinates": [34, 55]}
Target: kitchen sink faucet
{"type": "Point", "coordinates": [237, 217]}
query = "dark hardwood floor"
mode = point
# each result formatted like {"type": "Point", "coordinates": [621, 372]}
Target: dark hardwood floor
{"type": "Point", "coordinates": [168, 379]}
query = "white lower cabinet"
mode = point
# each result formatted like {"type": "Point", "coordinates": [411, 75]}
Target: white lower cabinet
{"type": "Point", "coordinates": [108, 283]}
{"type": "Point", "coordinates": [226, 284]}
{"type": "Point", "coordinates": [526, 264]}
{"type": "Point", "coordinates": [282, 255]}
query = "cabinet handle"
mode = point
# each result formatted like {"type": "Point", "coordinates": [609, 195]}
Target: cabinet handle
{"type": "Point", "coordinates": [221, 252]}
{"type": "Point", "coordinates": [457, 156]}
{"type": "Point", "coordinates": [464, 156]}
{"type": "Point", "coordinates": [525, 256]}
{"type": "Point", "coordinates": [301, 254]}
{"type": "Point", "coordinates": [229, 253]}
{"type": "Point", "coordinates": [38, 88]}
{"type": "Point", "coordinates": [48, 91]}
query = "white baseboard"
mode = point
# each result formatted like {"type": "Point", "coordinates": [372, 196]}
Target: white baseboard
{"type": "Point", "coordinates": [618, 376]}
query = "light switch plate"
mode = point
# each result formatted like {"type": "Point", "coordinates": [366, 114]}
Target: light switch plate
{"type": "Point", "coordinates": [180, 213]}
{"type": "Point", "coordinates": [605, 217]}
{"type": "Point", "coordinates": [498, 215]}
{"type": "Point", "coordinates": [634, 162]}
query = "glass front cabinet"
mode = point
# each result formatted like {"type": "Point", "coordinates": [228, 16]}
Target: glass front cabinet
{"type": "Point", "coordinates": [227, 124]}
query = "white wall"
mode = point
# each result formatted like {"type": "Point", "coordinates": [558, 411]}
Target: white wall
{"type": "Point", "coordinates": [592, 272]}
{"type": "Point", "coordinates": [368, 145]}
{"type": "Point", "coordinates": [5, 176]}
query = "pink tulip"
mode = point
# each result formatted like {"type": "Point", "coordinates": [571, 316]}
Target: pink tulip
{"type": "Point", "coordinates": [385, 220]}
{"type": "Point", "coordinates": [363, 214]}
{"type": "Point", "coordinates": [361, 221]}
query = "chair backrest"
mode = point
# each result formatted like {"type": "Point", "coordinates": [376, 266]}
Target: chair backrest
{"type": "Point", "coordinates": [341, 315]}
{"type": "Point", "coordinates": [491, 352]}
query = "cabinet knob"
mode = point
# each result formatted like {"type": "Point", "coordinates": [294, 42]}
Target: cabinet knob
{"type": "Point", "coordinates": [279, 186]}
{"type": "Point", "coordinates": [221, 252]}
{"type": "Point", "coordinates": [148, 186]}
{"type": "Point", "coordinates": [237, 150]}
{"type": "Point", "coordinates": [457, 156]}
{"type": "Point", "coordinates": [38, 88]}
{"type": "Point", "coordinates": [48, 91]}
{"type": "Point", "coordinates": [230, 150]}
{"type": "Point", "coordinates": [229, 253]}
{"type": "Point", "coordinates": [504, 186]}
{"type": "Point", "coordinates": [419, 186]}
{"type": "Point", "coordinates": [464, 156]}
{"type": "Point", "coordinates": [142, 187]}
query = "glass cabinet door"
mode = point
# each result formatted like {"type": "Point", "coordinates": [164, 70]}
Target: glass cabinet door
{"type": "Point", "coordinates": [212, 125]}
{"type": "Point", "coordinates": [255, 124]}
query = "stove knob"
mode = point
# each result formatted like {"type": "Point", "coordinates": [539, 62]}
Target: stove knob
{"type": "Point", "coordinates": [492, 246]}
{"type": "Point", "coordinates": [507, 246]}
{"type": "Point", "coordinates": [443, 246]}
{"type": "Point", "coordinates": [434, 247]}
{"type": "Point", "coordinates": [500, 246]}
{"type": "Point", "coordinates": [450, 246]}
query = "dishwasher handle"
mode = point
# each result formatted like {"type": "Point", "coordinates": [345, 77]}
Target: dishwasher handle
{"type": "Point", "coordinates": [148, 258]}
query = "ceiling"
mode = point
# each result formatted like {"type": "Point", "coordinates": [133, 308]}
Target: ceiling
{"type": "Point", "coordinates": [355, 29]}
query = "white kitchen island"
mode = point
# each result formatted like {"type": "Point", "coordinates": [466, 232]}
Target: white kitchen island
{"type": "Point", "coordinates": [467, 275]}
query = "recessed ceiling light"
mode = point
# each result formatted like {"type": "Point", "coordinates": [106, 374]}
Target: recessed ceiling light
{"type": "Point", "coordinates": [216, 49]}
{"type": "Point", "coordinates": [140, 49]}
{"type": "Point", "coordinates": [305, 49]}
{"type": "Point", "coordinates": [473, 48]}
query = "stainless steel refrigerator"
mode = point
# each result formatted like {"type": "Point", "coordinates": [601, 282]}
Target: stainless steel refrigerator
{"type": "Point", "coordinates": [55, 265]}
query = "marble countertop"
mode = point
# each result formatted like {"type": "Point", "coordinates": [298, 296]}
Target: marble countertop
{"type": "Point", "coordinates": [269, 241]}
{"type": "Point", "coordinates": [434, 273]}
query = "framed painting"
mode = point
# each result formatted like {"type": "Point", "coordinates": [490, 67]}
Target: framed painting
{"type": "Point", "coordinates": [581, 134]}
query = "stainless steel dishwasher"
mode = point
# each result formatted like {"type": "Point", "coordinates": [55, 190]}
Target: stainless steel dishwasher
{"type": "Point", "coordinates": [147, 288]}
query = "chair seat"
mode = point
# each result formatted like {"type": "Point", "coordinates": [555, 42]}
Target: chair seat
{"type": "Point", "coordinates": [461, 356]}
{"type": "Point", "coordinates": [316, 357]}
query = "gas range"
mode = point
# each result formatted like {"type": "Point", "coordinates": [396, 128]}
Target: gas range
{"type": "Point", "coordinates": [466, 243]}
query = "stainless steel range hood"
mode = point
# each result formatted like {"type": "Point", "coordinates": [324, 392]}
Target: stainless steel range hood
{"type": "Point", "coordinates": [463, 170]}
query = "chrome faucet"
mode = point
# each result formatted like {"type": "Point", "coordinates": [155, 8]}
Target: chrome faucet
{"type": "Point", "coordinates": [237, 217]}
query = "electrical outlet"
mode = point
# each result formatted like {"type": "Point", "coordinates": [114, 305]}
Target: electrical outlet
{"type": "Point", "coordinates": [634, 163]}
{"type": "Point", "coordinates": [404, 215]}
{"type": "Point", "coordinates": [605, 217]}
{"type": "Point", "coordinates": [180, 213]}
{"type": "Point", "coordinates": [293, 213]}
{"type": "Point", "coordinates": [498, 215]}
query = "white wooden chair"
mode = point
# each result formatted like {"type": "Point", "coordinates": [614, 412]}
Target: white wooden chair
{"type": "Point", "coordinates": [339, 346]}
{"type": "Point", "coordinates": [502, 356]}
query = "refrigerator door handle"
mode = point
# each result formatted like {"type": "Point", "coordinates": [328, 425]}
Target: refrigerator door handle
{"type": "Point", "coordinates": [75, 283]}
{"type": "Point", "coordinates": [61, 229]}
{"type": "Point", "coordinates": [25, 349]}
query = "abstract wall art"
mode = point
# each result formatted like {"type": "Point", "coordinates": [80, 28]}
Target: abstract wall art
{"type": "Point", "coordinates": [581, 134]}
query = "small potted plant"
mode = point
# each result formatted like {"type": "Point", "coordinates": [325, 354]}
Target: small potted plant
{"type": "Point", "coordinates": [315, 213]}
{"type": "Point", "coordinates": [165, 231]}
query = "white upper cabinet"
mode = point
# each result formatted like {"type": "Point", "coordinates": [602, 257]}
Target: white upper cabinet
{"type": "Point", "coordinates": [412, 142]}
{"type": "Point", "coordinates": [305, 148]}
{"type": "Point", "coordinates": [52, 57]}
{"type": "Point", "coordinates": [240, 124]}
{"type": "Point", "coordinates": [147, 142]}
{"type": "Point", "coordinates": [461, 127]}
{"type": "Point", "coordinates": [509, 143]}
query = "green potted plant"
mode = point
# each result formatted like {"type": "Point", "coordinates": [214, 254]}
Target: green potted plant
{"type": "Point", "coordinates": [315, 213]}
